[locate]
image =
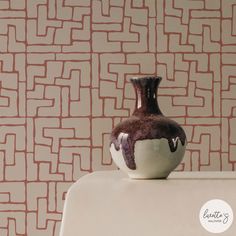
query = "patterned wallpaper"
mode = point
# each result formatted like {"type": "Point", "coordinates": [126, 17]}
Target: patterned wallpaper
{"type": "Point", "coordinates": [64, 83]}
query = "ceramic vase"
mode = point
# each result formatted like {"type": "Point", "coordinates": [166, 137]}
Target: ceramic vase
{"type": "Point", "coordinates": [147, 145]}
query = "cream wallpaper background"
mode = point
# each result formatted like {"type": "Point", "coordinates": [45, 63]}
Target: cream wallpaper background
{"type": "Point", "coordinates": [64, 83]}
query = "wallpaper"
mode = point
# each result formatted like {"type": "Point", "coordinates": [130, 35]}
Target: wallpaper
{"type": "Point", "coordinates": [64, 84]}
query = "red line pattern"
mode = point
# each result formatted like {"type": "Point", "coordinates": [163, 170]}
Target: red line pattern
{"type": "Point", "coordinates": [64, 70]}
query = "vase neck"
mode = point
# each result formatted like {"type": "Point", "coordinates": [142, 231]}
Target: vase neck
{"type": "Point", "coordinates": [146, 96]}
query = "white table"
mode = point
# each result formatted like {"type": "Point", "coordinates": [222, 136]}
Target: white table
{"type": "Point", "coordinates": [108, 203]}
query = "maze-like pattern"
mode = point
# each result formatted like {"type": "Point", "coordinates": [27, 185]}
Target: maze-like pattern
{"type": "Point", "coordinates": [13, 166]}
{"type": "Point", "coordinates": [189, 26]}
{"type": "Point", "coordinates": [64, 84]}
{"type": "Point", "coordinates": [58, 26]}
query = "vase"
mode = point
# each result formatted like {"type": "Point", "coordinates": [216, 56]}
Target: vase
{"type": "Point", "coordinates": [147, 145]}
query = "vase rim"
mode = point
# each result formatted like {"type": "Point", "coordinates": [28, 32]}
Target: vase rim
{"type": "Point", "coordinates": [136, 78]}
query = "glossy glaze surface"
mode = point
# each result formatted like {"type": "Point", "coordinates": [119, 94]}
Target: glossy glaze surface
{"type": "Point", "coordinates": [153, 158]}
{"type": "Point", "coordinates": [146, 123]}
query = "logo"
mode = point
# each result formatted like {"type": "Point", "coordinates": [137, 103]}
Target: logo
{"type": "Point", "coordinates": [216, 216]}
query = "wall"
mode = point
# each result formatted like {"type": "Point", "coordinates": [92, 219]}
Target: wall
{"type": "Point", "coordinates": [64, 70]}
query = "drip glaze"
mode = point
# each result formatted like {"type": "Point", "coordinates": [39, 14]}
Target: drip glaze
{"type": "Point", "coordinates": [146, 122]}
{"type": "Point", "coordinates": [128, 132]}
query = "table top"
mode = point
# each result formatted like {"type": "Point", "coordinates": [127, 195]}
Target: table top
{"type": "Point", "coordinates": [109, 203]}
{"type": "Point", "coordinates": [173, 175]}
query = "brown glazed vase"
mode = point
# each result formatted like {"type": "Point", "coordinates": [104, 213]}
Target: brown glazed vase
{"type": "Point", "coordinates": [147, 144]}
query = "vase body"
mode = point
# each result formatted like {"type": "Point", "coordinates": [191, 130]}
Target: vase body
{"type": "Point", "coordinates": [147, 144]}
